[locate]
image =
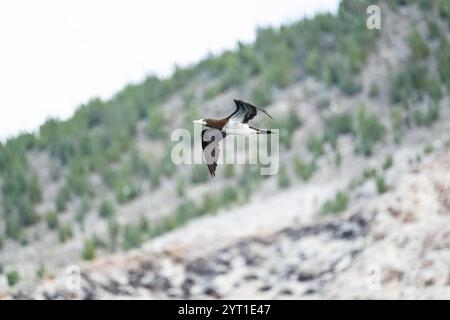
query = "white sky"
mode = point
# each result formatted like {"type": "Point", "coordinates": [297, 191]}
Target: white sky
{"type": "Point", "coordinates": [55, 55]}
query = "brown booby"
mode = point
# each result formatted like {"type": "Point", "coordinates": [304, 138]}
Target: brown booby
{"type": "Point", "coordinates": [235, 124]}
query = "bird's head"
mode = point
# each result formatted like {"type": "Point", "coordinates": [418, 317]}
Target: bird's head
{"type": "Point", "coordinates": [201, 121]}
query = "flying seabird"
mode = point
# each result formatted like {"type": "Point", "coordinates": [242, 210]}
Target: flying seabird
{"type": "Point", "coordinates": [235, 124]}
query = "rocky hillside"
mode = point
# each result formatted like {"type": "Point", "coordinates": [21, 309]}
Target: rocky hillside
{"type": "Point", "coordinates": [359, 207]}
{"type": "Point", "coordinates": [394, 246]}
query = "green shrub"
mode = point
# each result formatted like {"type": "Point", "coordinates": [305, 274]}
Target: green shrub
{"type": "Point", "coordinates": [106, 209]}
{"type": "Point", "coordinates": [155, 179]}
{"type": "Point", "coordinates": [419, 48]}
{"type": "Point", "coordinates": [337, 158]}
{"type": "Point", "coordinates": [126, 191]}
{"type": "Point", "coordinates": [262, 93]}
{"type": "Point", "coordinates": [388, 163]}
{"type": "Point", "coordinates": [315, 145]}
{"type": "Point", "coordinates": [396, 119]}
{"type": "Point", "coordinates": [213, 91]}
{"type": "Point", "coordinates": [337, 204]}
{"type": "Point", "coordinates": [2, 242]}
{"type": "Point", "coordinates": [369, 173]}
{"type": "Point", "coordinates": [199, 174]}
{"type": "Point", "coordinates": [61, 199]}
{"type": "Point", "coordinates": [144, 224]}
{"type": "Point", "coordinates": [443, 60]}
{"type": "Point", "coordinates": [185, 211]}
{"type": "Point", "coordinates": [52, 219]}
{"type": "Point", "coordinates": [40, 272]}
{"type": "Point", "coordinates": [228, 170]}
{"type": "Point", "coordinates": [283, 178]}
{"type": "Point", "coordinates": [13, 278]}
{"type": "Point", "coordinates": [181, 187]}
{"type": "Point", "coordinates": [132, 237]}
{"type": "Point", "coordinates": [322, 103]}
{"type": "Point", "coordinates": [156, 124]}
{"type": "Point", "coordinates": [303, 169]}
{"type": "Point", "coordinates": [65, 232]}
{"type": "Point", "coordinates": [89, 250]}
{"type": "Point", "coordinates": [368, 130]}
{"type": "Point", "coordinates": [113, 232]}
{"type": "Point", "coordinates": [444, 9]}
{"type": "Point", "coordinates": [336, 125]}
{"type": "Point", "coordinates": [210, 205]}
{"type": "Point", "coordinates": [373, 90]}
{"type": "Point", "coordinates": [428, 149]}
{"type": "Point", "coordinates": [381, 184]}
{"type": "Point", "coordinates": [428, 117]}
{"type": "Point", "coordinates": [281, 73]}
{"type": "Point", "coordinates": [229, 195]}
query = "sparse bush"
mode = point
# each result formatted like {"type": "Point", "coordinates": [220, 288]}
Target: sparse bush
{"type": "Point", "coordinates": [89, 249]}
{"type": "Point", "coordinates": [388, 162]}
{"type": "Point", "coordinates": [322, 103]}
{"type": "Point", "coordinates": [156, 124]}
{"type": "Point", "coordinates": [181, 187]}
{"type": "Point", "coordinates": [433, 29]}
{"type": "Point", "coordinates": [338, 158]}
{"type": "Point", "coordinates": [315, 145]}
{"type": "Point", "coordinates": [13, 278]}
{"type": "Point", "coordinates": [428, 149]}
{"type": "Point", "coordinates": [132, 237]}
{"type": "Point", "coordinates": [155, 179]}
{"type": "Point", "coordinates": [65, 232]}
{"type": "Point", "coordinates": [106, 209]}
{"type": "Point", "coordinates": [381, 184]}
{"type": "Point", "coordinates": [303, 169]}
{"type": "Point", "coordinates": [185, 211]}
{"type": "Point", "coordinates": [40, 272]}
{"type": "Point", "coordinates": [113, 232]}
{"type": "Point", "coordinates": [428, 117]}
{"type": "Point", "coordinates": [126, 191]}
{"type": "Point", "coordinates": [419, 48]}
{"type": "Point", "coordinates": [374, 91]}
{"type": "Point", "coordinates": [143, 224]}
{"type": "Point", "coordinates": [61, 199]}
{"type": "Point", "coordinates": [52, 219]}
{"type": "Point", "coordinates": [368, 130]}
{"type": "Point", "coordinates": [229, 195]}
{"type": "Point", "coordinates": [396, 119]}
{"type": "Point", "coordinates": [336, 125]}
{"type": "Point", "coordinates": [2, 242]}
{"type": "Point", "coordinates": [281, 73]}
{"type": "Point", "coordinates": [443, 60]}
{"type": "Point", "coordinates": [199, 174]}
{"type": "Point", "coordinates": [369, 173]}
{"type": "Point", "coordinates": [213, 91]}
{"type": "Point", "coordinates": [262, 93]}
{"type": "Point", "coordinates": [337, 204]}
{"type": "Point", "coordinates": [210, 205]}
{"type": "Point", "coordinates": [228, 171]}
{"type": "Point", "coordinates": [444, 9]}
{"type": "Point", "coordinates": [283, 178]}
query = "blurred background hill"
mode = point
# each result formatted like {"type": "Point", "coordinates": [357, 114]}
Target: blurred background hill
{"type": "Point", "coordinates": [363, 188]}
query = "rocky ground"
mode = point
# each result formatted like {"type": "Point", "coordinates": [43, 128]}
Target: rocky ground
{"type": "Point", "coordinates": [393, 246]}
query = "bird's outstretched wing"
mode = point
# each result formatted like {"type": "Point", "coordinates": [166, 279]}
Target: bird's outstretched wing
{"type": "Point", "coordinates": [245, 111]}
{"type": "Point", "coordinates": [210, 146]}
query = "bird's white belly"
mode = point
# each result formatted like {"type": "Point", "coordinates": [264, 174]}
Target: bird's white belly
{"type": "Point", "coordinates": [238, 128]}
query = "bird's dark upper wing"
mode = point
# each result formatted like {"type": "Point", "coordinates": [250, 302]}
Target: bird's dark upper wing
{"type": "Point", "coordinates": [245, 111]}
{"type": "Point", "coordinates": [210, 146]}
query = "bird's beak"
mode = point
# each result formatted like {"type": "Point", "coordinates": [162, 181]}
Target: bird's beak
{"type": "Point", "coordinates": [201, 121]}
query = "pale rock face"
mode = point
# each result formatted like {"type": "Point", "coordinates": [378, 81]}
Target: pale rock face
{"type": "Point", "coordinates": [393, 246]}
